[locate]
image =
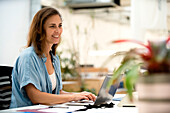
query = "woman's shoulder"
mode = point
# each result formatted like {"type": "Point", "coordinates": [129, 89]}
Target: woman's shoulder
{"type": "Point", "coordinates": [27, 56]}
{"type": "Point", "coordinates": [28, 52]}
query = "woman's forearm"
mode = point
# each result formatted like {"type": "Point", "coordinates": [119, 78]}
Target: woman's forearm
{"type": "Point", "coordinates": [65, 92]}
{"type": "Point", "coordinates": [38, 97]}
{"type": "Point", "coordinates": [49, 99]}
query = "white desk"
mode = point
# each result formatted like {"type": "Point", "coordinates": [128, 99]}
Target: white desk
{"type": "Point", "coordinates": [44, 108]}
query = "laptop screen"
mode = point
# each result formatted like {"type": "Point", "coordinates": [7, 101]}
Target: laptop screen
{"type": "Point", "coordinates": [106, 94]}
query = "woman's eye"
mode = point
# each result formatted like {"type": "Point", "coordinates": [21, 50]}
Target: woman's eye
{"type": "Point", "coordinates": [52, 26]}
{"type": "Point", "coordinates": [60, 25]}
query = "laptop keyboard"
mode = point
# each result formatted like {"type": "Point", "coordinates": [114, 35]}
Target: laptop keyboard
{"type": "Point", "coordinates": [85, 101]}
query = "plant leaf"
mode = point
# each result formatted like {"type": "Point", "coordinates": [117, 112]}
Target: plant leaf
{"type": "Point", "coordinates": [131, 78]}
{"type": "Point", "coordinates": [120, 71]}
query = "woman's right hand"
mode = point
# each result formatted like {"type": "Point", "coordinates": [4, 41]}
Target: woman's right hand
{"type": "Point", "coordinates": [83, 95]}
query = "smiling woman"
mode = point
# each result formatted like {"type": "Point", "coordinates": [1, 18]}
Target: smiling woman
{"type": "Point", "coordinates": [36, 76]}
{"type": "Point", "coordinates": [53, 27]}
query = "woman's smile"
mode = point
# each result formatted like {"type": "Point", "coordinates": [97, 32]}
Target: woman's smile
{"type": "Point", "coordinates": [55, 36]}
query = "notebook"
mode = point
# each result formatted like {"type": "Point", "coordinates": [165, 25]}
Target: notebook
{"type": "Point", "coordinates": [105, 93]}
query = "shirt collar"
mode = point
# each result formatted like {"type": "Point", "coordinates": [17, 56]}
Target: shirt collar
{"type": "Point", "coordinates": [44, 58]}
{"type": "Point", "coordinates": [53, 57]}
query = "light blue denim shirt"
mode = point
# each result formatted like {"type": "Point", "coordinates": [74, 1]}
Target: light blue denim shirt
{"type": "Point", "coordinates": [30, 68]}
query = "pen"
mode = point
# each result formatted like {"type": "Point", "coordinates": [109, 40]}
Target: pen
{"type": "Point", "coordinates": [58, 107]}
{"type": "Point", "coordinates": [128, 106]}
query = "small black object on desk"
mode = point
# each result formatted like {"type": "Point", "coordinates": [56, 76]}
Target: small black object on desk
{"type": "Point", "coordinates": [58, 107]}
{"type": "Point", "coordinates": [110, 105]}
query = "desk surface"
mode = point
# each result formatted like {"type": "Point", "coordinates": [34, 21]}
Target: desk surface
{"type": "Point", "coordinates": [63, 108]}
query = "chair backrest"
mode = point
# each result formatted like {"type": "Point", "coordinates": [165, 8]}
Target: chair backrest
{"type": "Point", "coordinates": [5, 86]}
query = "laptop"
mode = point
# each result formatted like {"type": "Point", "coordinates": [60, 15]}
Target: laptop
{"type": "Point", "coordinates": [106, 93]}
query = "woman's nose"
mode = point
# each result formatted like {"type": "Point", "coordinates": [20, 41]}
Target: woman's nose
{"type": "Point", "coordinates": [57, 29]}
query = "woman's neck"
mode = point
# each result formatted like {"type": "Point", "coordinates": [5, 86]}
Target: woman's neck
{"type": "Point", "coordinates": [47, 50]}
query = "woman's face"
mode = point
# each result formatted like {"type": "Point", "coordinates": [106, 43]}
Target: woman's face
{"type": "Point", "coordinates": [53, 29]}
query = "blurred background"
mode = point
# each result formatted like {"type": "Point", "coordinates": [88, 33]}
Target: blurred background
{"type": "Point", "coordinates": [89, 27]}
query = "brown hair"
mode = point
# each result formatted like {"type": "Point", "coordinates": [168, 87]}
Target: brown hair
{"type": "Point", "coordinates": [37, 34]}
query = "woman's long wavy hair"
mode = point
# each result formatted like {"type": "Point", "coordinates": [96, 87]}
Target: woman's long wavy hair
{"type": "Point", "coordinates": [37, 34]}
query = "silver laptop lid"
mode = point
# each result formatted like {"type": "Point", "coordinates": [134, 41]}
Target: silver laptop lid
{"type": "Point", "coordinates": [106, 94]}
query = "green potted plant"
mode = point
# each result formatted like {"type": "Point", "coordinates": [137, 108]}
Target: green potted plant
{"type": "Point", "coordinates": [153, 84]}
{"type": "Point", "coordinates": [68, 65]}
{"type": "Point", "coordinates": [69, 72]}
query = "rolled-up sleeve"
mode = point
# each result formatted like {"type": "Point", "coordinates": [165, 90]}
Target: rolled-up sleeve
{"type": "Point", "coordinates": [28, 74]}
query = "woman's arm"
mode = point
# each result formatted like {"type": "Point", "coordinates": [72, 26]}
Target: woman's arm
{"type": "Point", "coordinates": [87, 94]}
{"type": "Point", "coordinates": [65, 92]}
{"type": "Point", "coordinates": [38, 97]}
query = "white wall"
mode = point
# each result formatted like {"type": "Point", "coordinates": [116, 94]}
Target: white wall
{"type": "Point", "coordinates": [94, 37]}
{"type": "Point", "coordinates": [15, 18]}
{"type": "Point", "coordinates": [100, 34]}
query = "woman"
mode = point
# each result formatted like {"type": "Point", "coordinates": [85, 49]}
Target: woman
{"type": "Point", "coordinates": [36, 76]}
